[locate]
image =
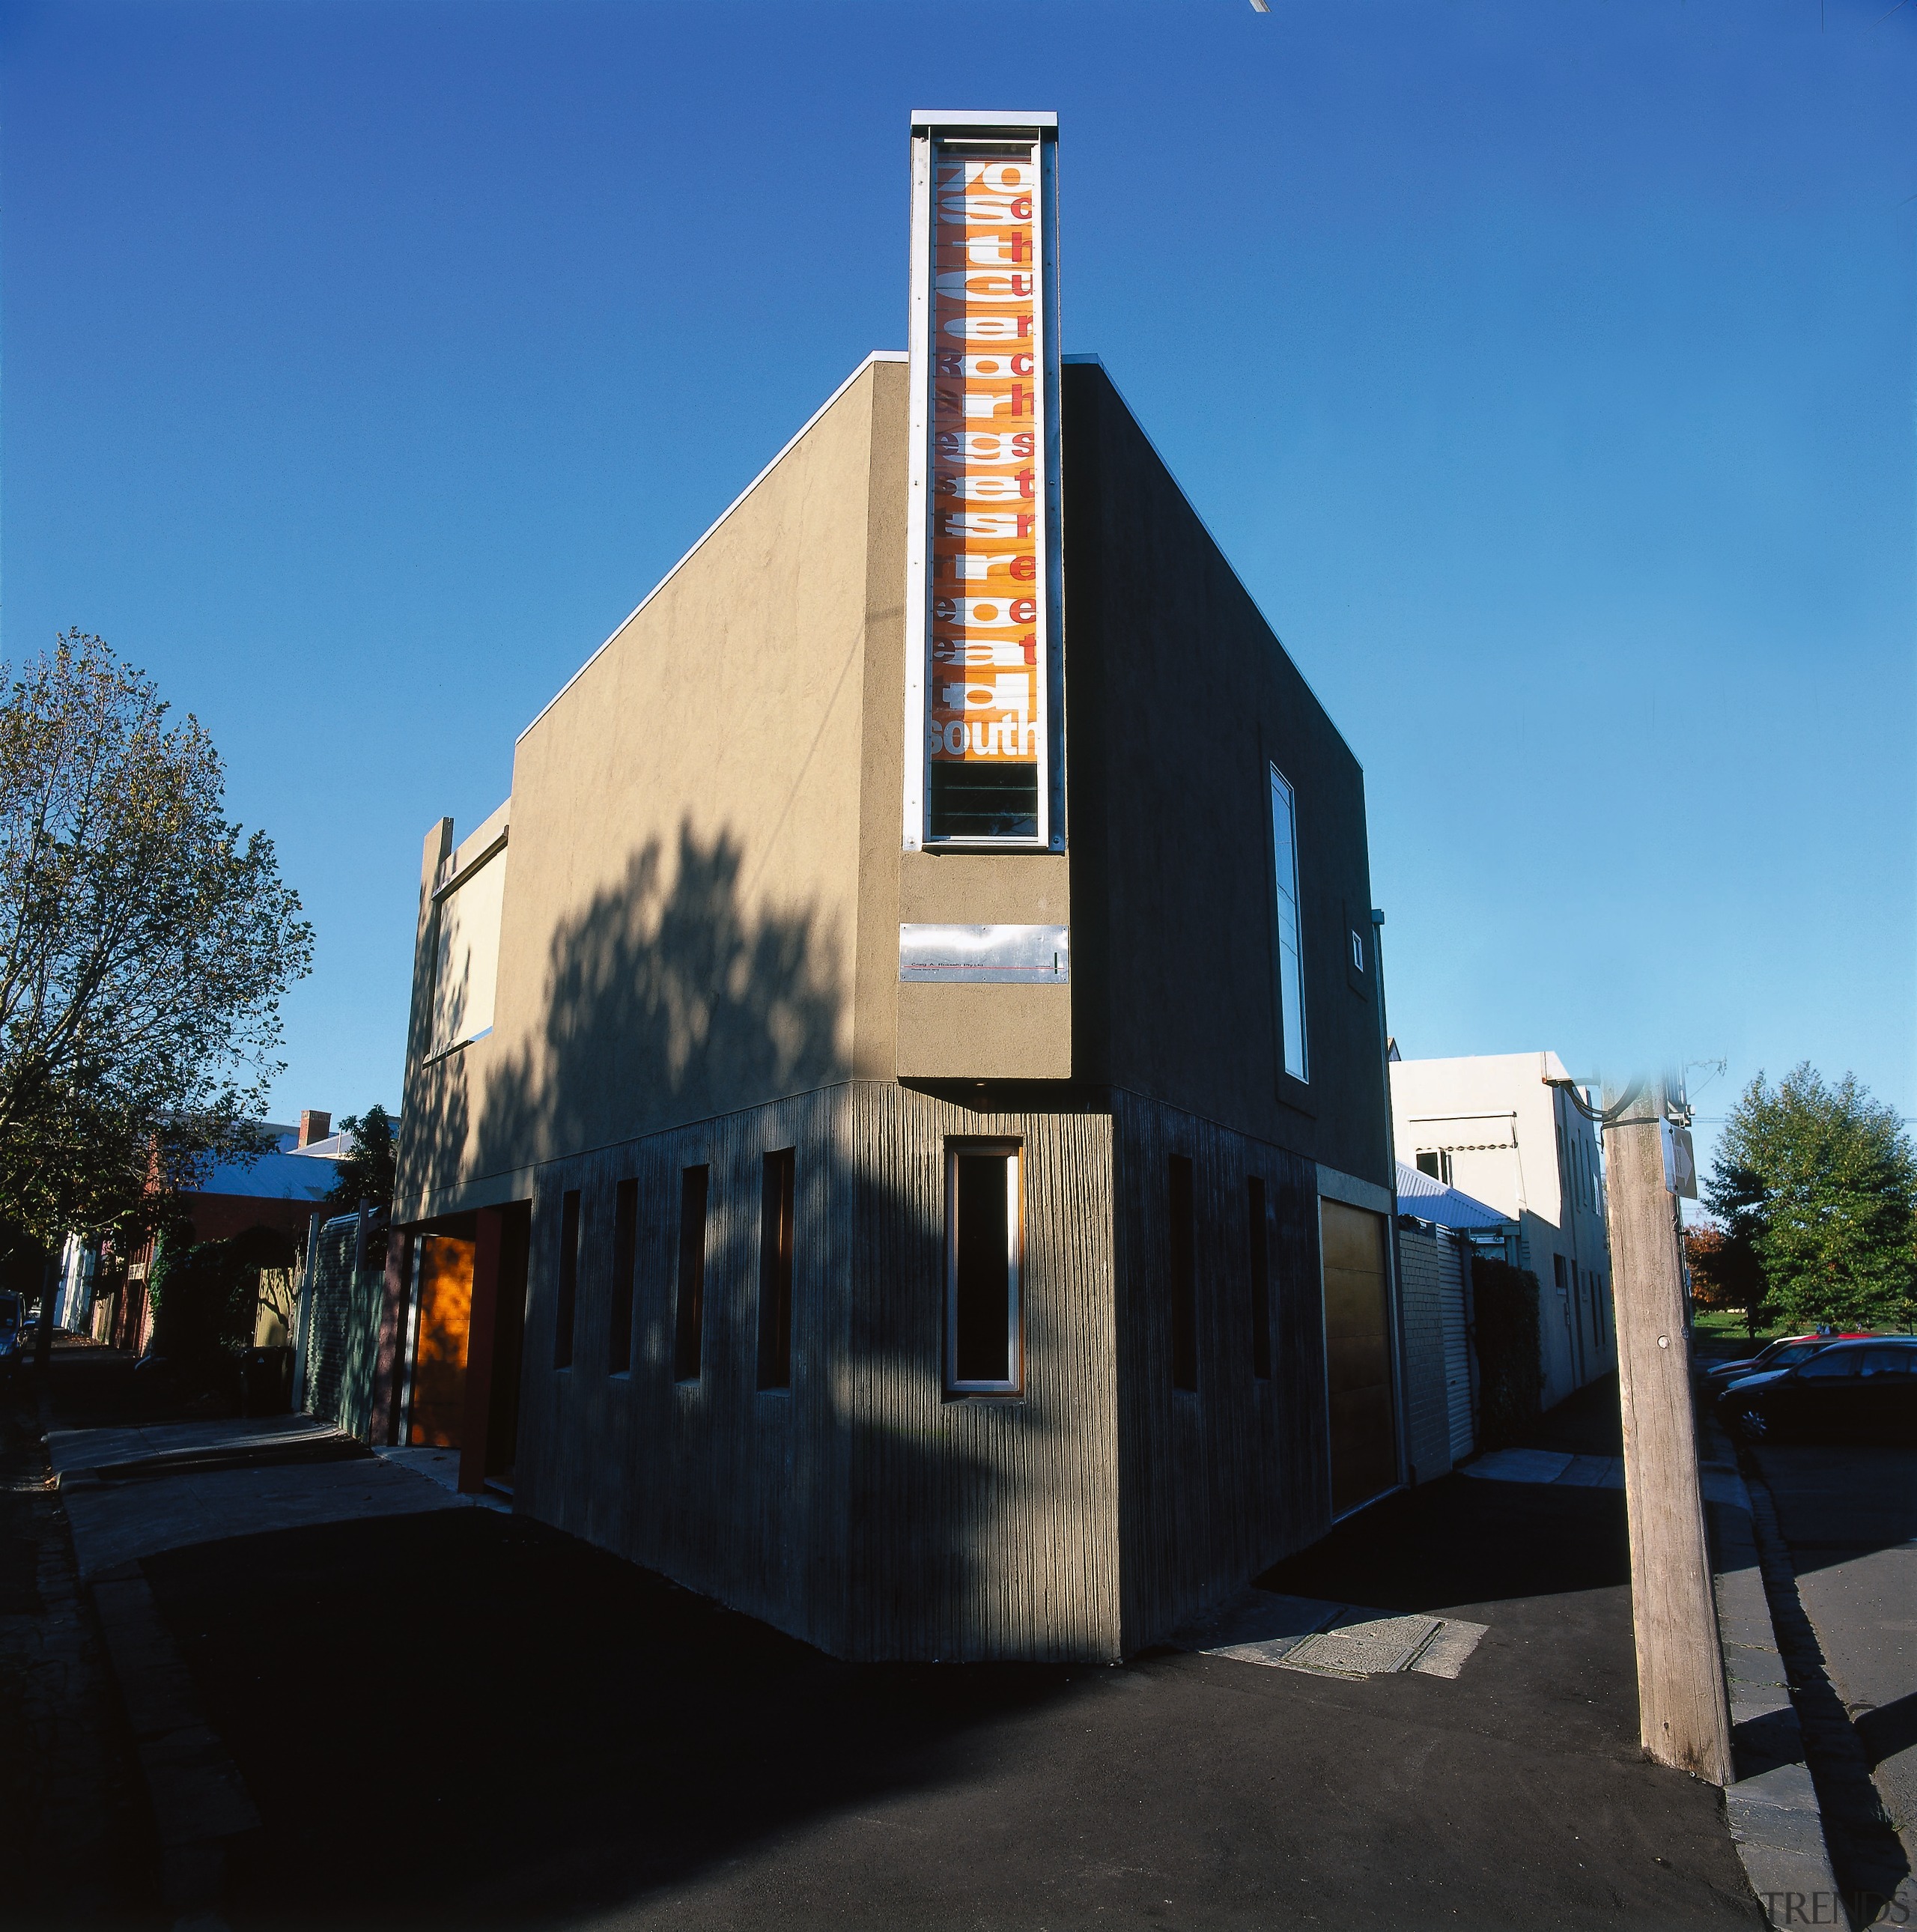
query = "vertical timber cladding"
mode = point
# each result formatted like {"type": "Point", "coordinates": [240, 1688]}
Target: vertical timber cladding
{"type": "Point", "coordinates": [983, 731]}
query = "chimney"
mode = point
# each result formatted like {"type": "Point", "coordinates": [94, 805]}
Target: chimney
{"type": "Point", "coordinates": [313, 1126]}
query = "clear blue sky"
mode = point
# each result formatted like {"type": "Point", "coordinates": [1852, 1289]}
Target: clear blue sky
{"type": "Point", "coordinates": [1547, 370]}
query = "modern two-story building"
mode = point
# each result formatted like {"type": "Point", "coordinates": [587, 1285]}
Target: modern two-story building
{"type": "Point", "coordinates": [896, 1133]}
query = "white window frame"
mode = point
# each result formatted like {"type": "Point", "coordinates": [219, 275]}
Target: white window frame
{"type": "Point", "coordinates": [1013, 1152]}
{"type": "Point", "coordinates": [1290, 962]}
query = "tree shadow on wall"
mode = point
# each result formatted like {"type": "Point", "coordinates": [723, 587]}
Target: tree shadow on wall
{"type": "Point", "coordinates": [664, 1000]}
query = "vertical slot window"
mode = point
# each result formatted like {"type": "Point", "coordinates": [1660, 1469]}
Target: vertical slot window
{"type": "Point", "coordinates": [1181, 1242]}
{"type": "Point", "coordinates": [984, 1257]}
{"type": "Point", "coordinates": [1259, 1257]}
{"type": "Point", "coordinates": [1291, 964]}
{"type": "Point", "coordinates": [775, 1272]}
{"type": "Point", "coordinates": [626, 1244]}
{"type": "Point", "coordinates": [688, 1328]}
{"type": "Point", "coordinates": [569, 1279]}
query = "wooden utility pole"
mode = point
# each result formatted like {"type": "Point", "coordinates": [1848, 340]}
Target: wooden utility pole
{"type": "Point", "coordinates": [1683, 1712]}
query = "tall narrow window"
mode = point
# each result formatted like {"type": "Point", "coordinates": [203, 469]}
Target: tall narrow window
{"type": "Point", "coordinates": [1291, 966]}
{"type": "Point", "coordinates": [689, 1328]}
{"type": "Point", "coordinates": [1260, 1257]}
{"type": "Point", "coordinates": [984, 1261]}
{"type": "Point", "coordinates": [625, 1243]}
{"type": "Point", "coordinates": [1181, 1240]}
{"type": "Point", "coordinates": [776, 1273]}
{"type": "Point", "coordinates": [569, 1279]}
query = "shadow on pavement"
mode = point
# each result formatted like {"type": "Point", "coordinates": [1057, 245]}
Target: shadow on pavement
{"type": "Point", "coordinates": [463, 1718]}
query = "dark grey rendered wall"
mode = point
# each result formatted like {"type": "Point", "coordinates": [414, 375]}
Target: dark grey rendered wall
{"type": "Point", "coordinates": [1178, 698]}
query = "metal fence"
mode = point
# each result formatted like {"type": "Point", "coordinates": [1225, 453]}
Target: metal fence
{"type": "Point", "coordinates": [340, 1336]}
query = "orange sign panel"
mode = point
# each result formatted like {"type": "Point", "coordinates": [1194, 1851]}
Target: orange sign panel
{"type": "Point", "coordinates": [987, 465]}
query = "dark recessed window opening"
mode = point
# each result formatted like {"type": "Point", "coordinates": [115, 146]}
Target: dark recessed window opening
{"type": "Point", "coordinates": [689, 1328]}
{"type": "Point", "coordinates": [1182, 1242]}
{"type": "Point", "coordinates": [625, 1242]}
{"type": "Point", "coordinates": [984, 1240]}
{"type": "Point", "coordinates": [775, 1272]}
{"type": "Point", "coordinates": [1291, 956]}
{"type": "Point", "coordinates": [1260, 1278]}
{"type": "Point", "coordinates": [982, 800]}
{"type": "Point", "coordinates": [569, 1279]}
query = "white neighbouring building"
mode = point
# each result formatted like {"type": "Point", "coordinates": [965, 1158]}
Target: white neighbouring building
{"type": "Point", "coordinates": [1493, 1126]}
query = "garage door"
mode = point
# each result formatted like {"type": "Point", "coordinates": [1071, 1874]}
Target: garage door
{"type": "Point", "coordinates": [1357, 1350]}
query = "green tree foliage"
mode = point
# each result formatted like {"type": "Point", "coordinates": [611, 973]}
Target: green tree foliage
{"type": "Point", "coordinates": [1820, 1182]}
{"type": "Point", "coordinates": [1510, 1368]}
{"type": "Point", "coordinates": [146, 941]}
{"type": "Point", "coordinates": [367, 1173]}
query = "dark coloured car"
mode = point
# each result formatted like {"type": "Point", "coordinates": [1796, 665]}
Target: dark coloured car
{"type": "Point", "coordinates": [1784, 1353]}
{"type": "Point", "coordinates": [1846, 1392]}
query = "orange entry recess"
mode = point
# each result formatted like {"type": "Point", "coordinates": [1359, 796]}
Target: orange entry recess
{"type": "Point", "coordinates": [438, 1362]}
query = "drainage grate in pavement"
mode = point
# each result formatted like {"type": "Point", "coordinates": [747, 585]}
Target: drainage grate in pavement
{"type": "Point", "coordinates": [1365, 1646]}
{"type": "Point", "coordinates": [1332, 1639]}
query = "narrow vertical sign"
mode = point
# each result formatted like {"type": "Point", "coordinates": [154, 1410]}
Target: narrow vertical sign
{"type": "Point", "coordinates": [982, 629]}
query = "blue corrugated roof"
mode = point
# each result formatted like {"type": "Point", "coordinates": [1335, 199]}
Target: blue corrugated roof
{"type": "Point", "coordinates": [273, 1177]}
{"type": "Point", "coordinates": [1431, 1200]}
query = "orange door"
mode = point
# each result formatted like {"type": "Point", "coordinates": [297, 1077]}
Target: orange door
{"type": "Point", "coordinates": [439, 1360]}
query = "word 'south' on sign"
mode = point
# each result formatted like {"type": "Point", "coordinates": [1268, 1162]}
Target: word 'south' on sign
{"type": "Point", "coordinates": [983, 731]}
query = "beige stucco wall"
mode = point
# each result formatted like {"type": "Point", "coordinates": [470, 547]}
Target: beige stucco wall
{"type": "Point", "coordinates": [681, 933]}
{"type": "Point", "coordinates": [1493, 1097]}
{"type": "Point", "coordinates": [956, 1032]}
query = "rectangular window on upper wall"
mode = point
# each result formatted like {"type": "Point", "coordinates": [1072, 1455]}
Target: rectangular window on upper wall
{"type": "Point", "coordinates": [1259, 1257]}
{"type": "Point", "coordinates": [1291, 958]}
{"type": "Point", "coordinates": [689, 1326]}
{"type": "Point", "coordinates": [1558, 1277]}
{"type": "Point", "coordinates": [569, 1279]}
{"type": "Point", "coordinates": [1181, 1245]}
{"type": "Point", "coordinates": [776, 1272]}
{"type": "Point", "coordinates": [984, 1268]}
{"type": "Point", "coordinates": [626, 1244]}
{"type": "Point", "coordinates": [466, 956]}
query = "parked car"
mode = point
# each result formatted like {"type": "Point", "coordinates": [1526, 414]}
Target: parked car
{"type": "Point", "coordinates": [1784, 1353]}
{"type": "Point", "coordinates": [1845, 1392]}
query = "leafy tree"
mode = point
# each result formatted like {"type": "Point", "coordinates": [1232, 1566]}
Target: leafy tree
{"type": "Point", "coordinates": [367, 1173]}
{"type": "Point", "coordinates": [146, 941]}
{"type": "Point", "coordinates": [1724, 1271]}
{"type": "Point", "coordinates": [1821, 1182]}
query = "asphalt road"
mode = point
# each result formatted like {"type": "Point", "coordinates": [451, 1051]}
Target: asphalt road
{"type": "Point", "coordinates": [1849, 1518]}
{"type": "Point", "coordinates": [465, 1719]}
